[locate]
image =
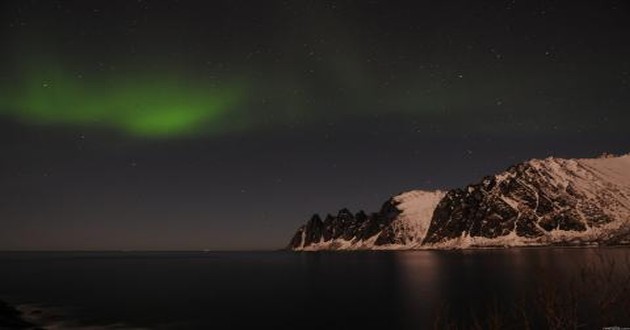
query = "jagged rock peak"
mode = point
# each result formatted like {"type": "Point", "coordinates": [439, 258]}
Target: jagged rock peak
{"type": "Point", "coordinates": [537, 202]}
{"type": "Point", "coordinates": [400, 223]}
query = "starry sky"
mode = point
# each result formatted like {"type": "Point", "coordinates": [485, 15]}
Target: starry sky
{"type": "Point", "coordinates": [225, 124]}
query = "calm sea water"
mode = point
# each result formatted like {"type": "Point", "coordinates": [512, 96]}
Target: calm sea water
{"type": "Point", "coordinates": [281, 290]}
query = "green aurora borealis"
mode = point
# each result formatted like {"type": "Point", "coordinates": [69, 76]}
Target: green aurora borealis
{"type": "Point", "coordinates": [141, 105]}
{"type": "Point", "coordinates": [162, 124]}
{"type": "Point", "coordinates": [210, 74]}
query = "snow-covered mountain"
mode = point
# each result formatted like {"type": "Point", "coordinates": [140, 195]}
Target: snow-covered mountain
{"type": "Point", "coordinates": [538, 202]}
{"type": "Point", "coordinates": [402, 222]}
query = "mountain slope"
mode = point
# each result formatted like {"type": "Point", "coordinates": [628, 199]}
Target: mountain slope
{"type": "Point", "coordinates": [401, 223]}
{"type": "Point", "coordinates": [538, 202]}
{"type": "Point", "coordinates": [550, 201]}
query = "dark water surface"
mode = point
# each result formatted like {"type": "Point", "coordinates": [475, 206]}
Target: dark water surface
{"type": "Point", "coordinates": [281, 290]}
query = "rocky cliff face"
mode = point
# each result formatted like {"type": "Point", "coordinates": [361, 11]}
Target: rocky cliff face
{"type": "Point", "coordinates": [550, 201]}
{"type": "Point", "coordinates": [401, 222]}
{"type": "Point", "coordinates": [539, 202]}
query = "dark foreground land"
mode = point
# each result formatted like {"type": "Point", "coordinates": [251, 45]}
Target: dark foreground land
{"type": "Point", "coordinates": [11, 318]}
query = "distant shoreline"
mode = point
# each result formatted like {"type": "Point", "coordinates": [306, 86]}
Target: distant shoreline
{"type": "Point", "coordinates": [428, 248]}
{"type": "Point", "coordinates": [470, 248]}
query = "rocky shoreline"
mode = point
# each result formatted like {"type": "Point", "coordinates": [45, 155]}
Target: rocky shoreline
{"type": "Point", "coordinates": [12, 318]}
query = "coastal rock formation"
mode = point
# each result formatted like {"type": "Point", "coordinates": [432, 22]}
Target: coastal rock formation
{"type": "Point", "coordinates": [402, 221]}
{"type": "Point", "coordinates": [549, 201]}
{"type": "Point", "coordinates": [538, 202]}
{"type": "Point", "coordinates": [11, 318]}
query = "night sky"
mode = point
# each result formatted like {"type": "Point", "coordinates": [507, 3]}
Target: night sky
{"type": "Point", "coordinates": [226, 124]}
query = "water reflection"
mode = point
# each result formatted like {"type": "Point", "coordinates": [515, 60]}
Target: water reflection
{"type": "Point", "coordinates": [471, 284]}
{"type": "Point", "coordinates": [279, 290]}
{"type": "Point", "coordinates": [420, 285]}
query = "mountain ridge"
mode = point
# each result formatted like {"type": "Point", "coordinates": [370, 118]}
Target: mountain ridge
{"type": "Point", "coordinates": [551, 201]}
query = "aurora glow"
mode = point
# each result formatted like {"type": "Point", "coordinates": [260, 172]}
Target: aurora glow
{"type": "Point", "coordinates": [224, 124]}
{"type": "Point", "coordinates": [142, 105]}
